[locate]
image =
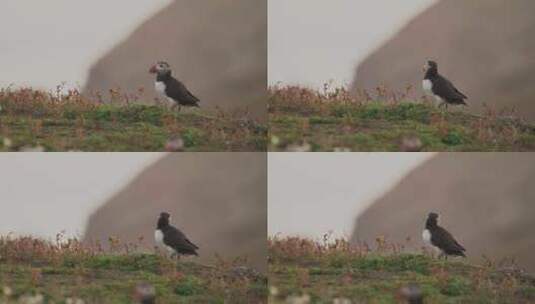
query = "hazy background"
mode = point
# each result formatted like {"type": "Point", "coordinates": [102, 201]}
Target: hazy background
{"type": "Point", "coordinates": [45, 43]}
{"type": "Point", "coordinates": [45, 193]}
{"type": "Point", "coordinates": [310, 194]}
{"type": "Point", "coordinates": [311, 41]}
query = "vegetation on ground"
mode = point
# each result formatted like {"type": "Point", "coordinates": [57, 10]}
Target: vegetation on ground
{"type": "Point", "coordinates": [66, 271]}
{"type": "Point", "coordinates": [302, 119]}
{"type": "Point", "coordinates": [32, 120]}
{"type": "Point", "coordinates": [305, 271]}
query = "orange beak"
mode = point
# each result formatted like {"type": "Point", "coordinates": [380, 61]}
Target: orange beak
{"type": "Point", "coordinates": [425, 68]}
{"type": "Point", "coordinates": [153, 70]}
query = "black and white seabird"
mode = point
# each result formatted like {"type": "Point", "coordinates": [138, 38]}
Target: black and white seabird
{"type": "Point", "coordinates": [440, 239]}
{"type": "Point", "coordinates": [172, 239]}
{"type": "Point", "coordinates": [441, 88]}
{"type": "Point", "coordinates": [170, 88]}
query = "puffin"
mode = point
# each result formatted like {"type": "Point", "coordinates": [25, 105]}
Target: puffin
{"type": "Point", "coordinates": [171, 88]}
{"type": "Point", "coordinates": [440, 239]}
{"type": "Point", "coordinates": [172, 239]}
{"type": "Point", "coordinates": [440, 87]}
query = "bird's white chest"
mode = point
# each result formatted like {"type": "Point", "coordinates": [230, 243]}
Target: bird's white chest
{"type": "Point", "coordinates": [159, 86]}
{"type": "Point", "coordinates": [427, 86]}
{"type": "Point", "coordinates": [158, 239]}
{"type": "Point", "coordinates": [426, 236]}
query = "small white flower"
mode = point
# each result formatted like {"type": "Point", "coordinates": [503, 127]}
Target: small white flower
{"type": "Point", "coordinates": [342, 301]}
{"type": "Point", "coordinates": [74, 301]}
{"type": "Point", "coordinates": [37, 299]}
{"type": "Point", "coordinates": [7, 291]}
{"type": "Point", "coordinates": [275, 140]}
{"type": "Point", "coordinates": [274, 291]}
{"type": "Point", "coordinates": [32, 149]}
{"type": "Point", "coordinates": [7, 142]}
{"type": "Point", "coordinates": [304, 299]}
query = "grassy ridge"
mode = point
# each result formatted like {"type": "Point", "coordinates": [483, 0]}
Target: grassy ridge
{"type": "Point", "coordinates": [305, 120]}
{"type": "Point", "coordinates": [35, 120]}
{"type": "Point", "coordinates": [68, 272]}
{"type": "Point", "coordinates": [303, 271]}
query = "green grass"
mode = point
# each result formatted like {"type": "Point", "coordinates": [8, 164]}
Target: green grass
{"type": "Point", "coordinates": [300, 268]}
{"type": "Point", "coordinates": [302, 119]}
{"type": "Point", "coordinates": [35, 120]}
{"type": "Point", "coordinates": [36, 268]}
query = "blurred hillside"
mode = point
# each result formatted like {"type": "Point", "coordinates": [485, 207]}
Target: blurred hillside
{"type": "Point", "coordinates": [485, 47]}
{"type": "Point", "coordinates": [217, 199]}
{"type": "Point", "coordinates": [484, 199]}
{"type": "Point", "coordinates": [206, 43]}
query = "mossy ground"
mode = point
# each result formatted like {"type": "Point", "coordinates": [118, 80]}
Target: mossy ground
{"type": "Point", "coordinates": [30, 119]}
{"type": "Point", "coordinates": [305, 120]}
{"type": "Point", "coordinates": [302, 271]}
{"type": "Point", "coordinates": [57, 273]}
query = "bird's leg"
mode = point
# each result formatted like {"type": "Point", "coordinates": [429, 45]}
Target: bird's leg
{"type": "Point", "coordinates": [179, 108]}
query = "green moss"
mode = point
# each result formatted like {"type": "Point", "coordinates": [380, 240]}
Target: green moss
{"type": "Point", "coordinates": [134, 262]}
{"type": "Point", "coordinates": [377, 278]}
{"type": "Point", "coordinates": [108, 278]}
{"type": "Point", "coordinates": [111, 127]}
{"type": "Point", "coordinates": [188, 286]}
{"type": "Point", "coordinates": [453, 138]}
{"type": "Point", "coordinates": [456, 286]}
{"type": "Point", "coordinates": [192, 137]}
{"type": "Point", "coordinates": [380, 126]}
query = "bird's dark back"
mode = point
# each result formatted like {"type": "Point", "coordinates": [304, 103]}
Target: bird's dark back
{"type": "Point", "coordinates": [441, 238]}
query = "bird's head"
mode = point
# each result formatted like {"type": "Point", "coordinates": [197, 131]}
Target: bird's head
{"type": "Point", "coordinates": [161, 67]}
{"type": "Point", "coordinates": [164, 219]}
{"type": "Point", "coordinates": [432, 219]}
{"type": "Point", "coordinates": [430, 65]}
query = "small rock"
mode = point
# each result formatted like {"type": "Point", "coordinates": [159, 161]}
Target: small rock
{"type": "Point", "coordinates": [32, 149]}
{"type": "Point", "coordinates": [74, 301]}
{"type": "Point", "coordinates": [411, 143]}
{"type": "Point", "coordinates": [304, 299]}
{"type": "Point", "coordinates": [273, 291]}
{"type": "Point", "coordinates": [412, 293]}
{"type": "Point", "coordinates": [342, 301]}
{"type": "Point", "coordinates": [27, 299]}
{"type": "Point", "coordinates": [175, 145]}
{"type": "Point", "coordinates": [275, 140]}
{"type": "Point", "coordinates": [7, 291]}
{"type": "Point", "coordinates": [7, 142]}
{"type": "Point", "coordinates": [145, 293]}
{"type": "Point", "coordinates": [305, 147]}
